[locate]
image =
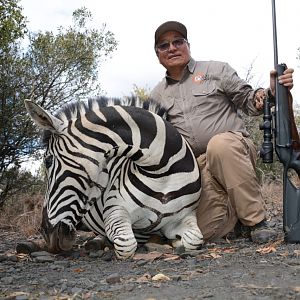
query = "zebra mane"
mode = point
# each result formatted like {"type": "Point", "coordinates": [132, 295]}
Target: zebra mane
{"type": "Point", "coordinates": [74, 109]}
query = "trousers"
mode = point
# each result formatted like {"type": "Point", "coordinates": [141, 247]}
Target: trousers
{"type": "Point", "coordinates": [230, 189]}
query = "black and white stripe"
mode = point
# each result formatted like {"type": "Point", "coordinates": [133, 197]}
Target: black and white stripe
{"type": "Point", "coordinates": [122, 170]}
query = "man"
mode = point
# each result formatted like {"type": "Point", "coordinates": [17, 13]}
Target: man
{"type": "Point", "coordinates": [202, 99]}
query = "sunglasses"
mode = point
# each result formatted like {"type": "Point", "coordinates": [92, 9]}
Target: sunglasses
{"type": "Point", "coordinates": [165, 46]}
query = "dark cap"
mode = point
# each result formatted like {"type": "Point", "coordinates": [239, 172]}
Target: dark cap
{"type": "Point", "coordinates": [170, 26]}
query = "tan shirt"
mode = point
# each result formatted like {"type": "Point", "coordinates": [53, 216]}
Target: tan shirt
{"type": "Point", "coordinates": [205, 102]}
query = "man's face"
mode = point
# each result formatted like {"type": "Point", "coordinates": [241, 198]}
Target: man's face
{"type": "Point", "coordinates": [177, 54]}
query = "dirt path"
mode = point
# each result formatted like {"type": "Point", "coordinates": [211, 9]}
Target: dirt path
{"type": "Point", "coordinates": [225, 270]}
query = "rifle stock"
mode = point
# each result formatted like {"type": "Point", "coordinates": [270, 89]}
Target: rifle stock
{"type": "Point", "coordinates": [288, 151]}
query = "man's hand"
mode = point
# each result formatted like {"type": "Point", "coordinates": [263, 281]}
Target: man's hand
{"type": "Point", "coordinates": [259, 98]}
{"type": "Point", "coordinates": [286, 79]}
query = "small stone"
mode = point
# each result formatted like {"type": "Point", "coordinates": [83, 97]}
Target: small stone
{"type": "Point", "coordinates": [179, 250]}
{"type": "Point", "coordinates": [85, 283]}
{"type": "Point", "coordinates": [56, 267]}
{"type": "Point", "coordinates": [22, 297]}
{"type": "Point", "coordinates": [113, 278]}
{"type": "Point", "coordinates": [63, 287]}
{"type": "Point", "coordinates": [11, 270]}
{"type": "Point", "coordinates": [208, 295]}
{"type": "Point", "coordinates": [12, 258]}
{"type": "Point", "coordinates": [107, 256]}
{"type": "Point", "coordinates": [96, 254]}
{"type": "Point", "coordinates": [141, 262]}
{"type": "Point", "coordinates": [3, 257]}
{"type": "Point", "coordinates": [76, 290]}
{"type": "Point", "coordinates": [160, 277]}
{"type": "Point", "coordinates": [7, 280]}
{"type": "Point", "coordinates": [164, 248]}
{"type": "Point", "coordinates": [63, 263]}
{"type": "Point", "coordinates": [40, 253]}
{"type": "Point", "coordinates": [95, 244]}
{"type": "Point", "coordinates": [27, 247]}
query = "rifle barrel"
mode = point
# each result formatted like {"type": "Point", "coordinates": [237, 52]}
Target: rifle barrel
{"type": "Point", "coordinates": [274, 34]}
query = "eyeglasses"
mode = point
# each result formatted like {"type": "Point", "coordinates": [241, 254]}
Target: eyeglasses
{"type": "Point", "coordinates": [165, 46]}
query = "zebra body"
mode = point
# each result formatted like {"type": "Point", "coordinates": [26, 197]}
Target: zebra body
{"type": "Point", "coordinates": [122, 170]}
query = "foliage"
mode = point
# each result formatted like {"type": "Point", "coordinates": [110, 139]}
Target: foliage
{"type": "Point", "coordinates": [59, 73]}
{"type": "Point", "coordinates": [52, 70]}
{"type": "Point", "coordinates": [21, 181]}
{"type": "Point", "coordinates": [12, 23]}
{"type": "Point", "coordinates": [22, 212]}
{"type": "Point", "coordinates": [266, 172]}
{"type": "Point", "coordinates": [141, 93]}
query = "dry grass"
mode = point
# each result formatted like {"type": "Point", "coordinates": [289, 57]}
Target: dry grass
{"type": "Point", "coordinates": [272, 194]}
{"type": "Point", "coordinates": [22, 214]}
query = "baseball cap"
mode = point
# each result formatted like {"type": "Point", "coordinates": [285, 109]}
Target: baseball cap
{"type": "Point", "coordinates": [170, 26]}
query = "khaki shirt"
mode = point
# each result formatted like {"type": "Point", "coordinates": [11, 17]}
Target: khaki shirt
{"type": "Point", "coordinates": [205, 102]}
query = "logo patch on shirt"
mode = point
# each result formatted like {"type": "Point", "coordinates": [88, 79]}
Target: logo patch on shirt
{"type": "Point", "coordinates": [199, 77]}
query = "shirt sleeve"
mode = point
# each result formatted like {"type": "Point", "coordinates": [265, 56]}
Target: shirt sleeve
{"type": "Point", "coordinates": [239, 91]}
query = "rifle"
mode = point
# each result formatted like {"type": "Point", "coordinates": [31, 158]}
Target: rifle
{"type": "Point", "coordinates": [287, 145]}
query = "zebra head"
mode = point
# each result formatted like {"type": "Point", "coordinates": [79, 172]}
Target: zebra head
{"type": "Point", "coordinates": [75, 178]}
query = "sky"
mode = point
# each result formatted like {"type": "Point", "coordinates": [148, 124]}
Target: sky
{"type": "Point", "coordinates": [235, 31]}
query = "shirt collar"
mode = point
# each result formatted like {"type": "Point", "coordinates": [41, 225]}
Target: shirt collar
{"type": "Point", "coordinates": [190, 67]}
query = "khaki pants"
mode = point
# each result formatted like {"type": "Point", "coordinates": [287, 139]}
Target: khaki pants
{"type": "Point", "coordinates": [230, 190]}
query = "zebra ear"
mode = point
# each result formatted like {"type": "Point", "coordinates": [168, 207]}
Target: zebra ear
{"type": "Point", "coordinates": [42, 118]}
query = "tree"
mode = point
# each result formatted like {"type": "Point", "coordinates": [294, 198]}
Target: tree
{"type": "Point", "coordinates": [53, 70]}
{"type": "Point", "coordinates": [59, 73]}
{"type": "Point", "coordinates": [12, 23]}
{"type": "Point", "coordinates": [12, 29]}
{"type": "Point", "coordinates": [142, 93]}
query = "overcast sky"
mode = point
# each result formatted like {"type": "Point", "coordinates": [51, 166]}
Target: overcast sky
{"type": "Point", "coordinates": [235, 31]}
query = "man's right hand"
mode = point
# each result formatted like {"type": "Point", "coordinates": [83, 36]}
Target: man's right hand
{"type": "Point", "coordinates": [286, 79]}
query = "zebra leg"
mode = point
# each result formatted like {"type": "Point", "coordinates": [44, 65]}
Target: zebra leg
{"type": "Point", "coordinates": [186, 232]}
{"type": "Point", "coordinates": [141, 238]}
{"type": "Point", "coordinates": [119, 231]}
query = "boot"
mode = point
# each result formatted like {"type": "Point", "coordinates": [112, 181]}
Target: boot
{"type": "Point", "coordinates": [260, 233]}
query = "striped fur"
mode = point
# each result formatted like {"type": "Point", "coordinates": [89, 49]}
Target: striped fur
{"type": "Point", "coordinates": [122, 170]}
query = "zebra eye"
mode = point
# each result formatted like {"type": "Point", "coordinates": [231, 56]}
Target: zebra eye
{"type": "Point", "coordinates": [48, 161]}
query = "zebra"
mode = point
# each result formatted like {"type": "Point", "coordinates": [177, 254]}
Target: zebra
{"type": "Point", "coordinates": [119, 168]}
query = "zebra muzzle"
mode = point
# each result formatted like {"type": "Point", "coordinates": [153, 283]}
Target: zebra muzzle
{"type": "Point", "coordinates": [62, 238]}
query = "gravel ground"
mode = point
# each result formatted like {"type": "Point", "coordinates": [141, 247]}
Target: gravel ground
{"type": "Point", "coordinates": [236, 269]}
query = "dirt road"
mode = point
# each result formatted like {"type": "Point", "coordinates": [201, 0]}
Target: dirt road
{"type": "Point", "coordinates": [235, 269]}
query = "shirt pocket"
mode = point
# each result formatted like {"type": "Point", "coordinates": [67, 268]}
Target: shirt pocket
{"type": "Point", "coordinates": [203, 90]}
{"type": "Point", "coordinates": [205, 99]}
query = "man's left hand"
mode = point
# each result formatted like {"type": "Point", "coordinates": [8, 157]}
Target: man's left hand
{"type": "Point", "coordinates": [286, 79]}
